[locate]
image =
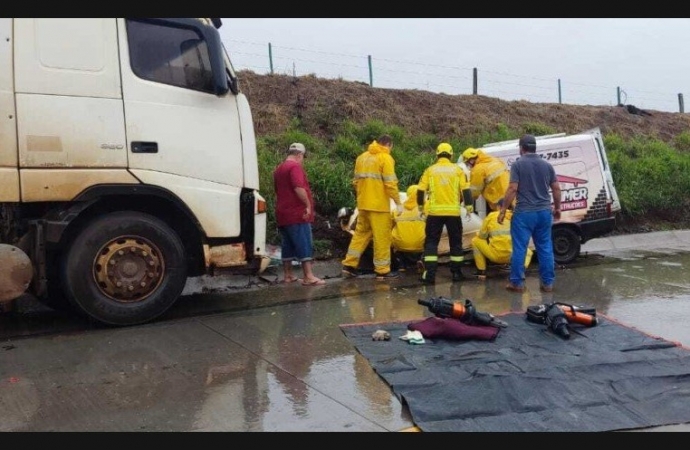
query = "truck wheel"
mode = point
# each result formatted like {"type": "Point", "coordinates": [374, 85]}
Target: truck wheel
{"type": "Point", "coordinates": [124, 268]}
{"type": "Point", "coordinates": [566, 245]}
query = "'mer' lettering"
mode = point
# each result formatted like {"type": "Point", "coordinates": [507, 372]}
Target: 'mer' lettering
{"type": "Point", "coordinates": [570, 195]}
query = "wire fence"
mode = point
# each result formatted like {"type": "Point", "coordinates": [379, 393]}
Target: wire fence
{"type": "Point", "coordinates": [453, 80]}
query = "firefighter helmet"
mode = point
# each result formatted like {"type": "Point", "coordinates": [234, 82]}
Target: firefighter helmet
{"type": "Point", "coordinates": [444, 147]}
{"type": "Point", "coordinates": [469, 154]}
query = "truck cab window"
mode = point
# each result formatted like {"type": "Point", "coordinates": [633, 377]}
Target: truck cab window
{"type": "Point", "coordinates": [169, 55]}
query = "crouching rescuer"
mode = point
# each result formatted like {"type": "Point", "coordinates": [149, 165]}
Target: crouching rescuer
{"type": "Point", "coordinates": [445, 185]}
{"type": "Point", "coordinates": [493, 243]}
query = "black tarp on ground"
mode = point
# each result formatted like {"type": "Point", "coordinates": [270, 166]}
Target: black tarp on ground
{"type": "Point", "coordinates": [604, 378]}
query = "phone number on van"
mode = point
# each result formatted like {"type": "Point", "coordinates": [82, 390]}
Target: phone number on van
{"type": "Point", "coordinates": [555, 155]}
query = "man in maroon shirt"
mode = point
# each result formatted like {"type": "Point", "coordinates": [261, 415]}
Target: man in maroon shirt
{"type": "Point", "coordinates": [294, 215]}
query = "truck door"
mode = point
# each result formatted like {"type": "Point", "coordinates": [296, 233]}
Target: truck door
{"type": "Point", "coordinates": [175, 123]}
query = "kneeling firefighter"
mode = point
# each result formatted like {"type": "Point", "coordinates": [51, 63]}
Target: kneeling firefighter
{"type": "Point", "coordinates": [447, 187]}
{"type": "Point", "coordinates": [408, 232]}
{"type": "Point", "coordinates": [493, 243]}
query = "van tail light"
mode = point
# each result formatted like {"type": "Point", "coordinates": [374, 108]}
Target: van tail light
{"type": "Point", "coordinates": [261, 206]}
{"type": "Point", "coordinates": [608, 209]}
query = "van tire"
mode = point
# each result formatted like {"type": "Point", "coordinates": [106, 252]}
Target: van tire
{"type": "Point", "coordinates": [124, 268]}
{"type": "Point", "coordinates": [566, 245]}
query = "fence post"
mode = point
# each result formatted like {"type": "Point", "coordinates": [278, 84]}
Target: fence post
{"type": "Point", "coordinates": [371, 73]}
{"type": "Point", "coordinates": [559, 92]}
{"type": "Point", "coordinates": [474, 81]}
{"type": "Point", "coordinates": [270, 57]}
{"type": "Point", "coordinates": [618, 94]}
{"type": "Point", "coordinates": [681, 106]}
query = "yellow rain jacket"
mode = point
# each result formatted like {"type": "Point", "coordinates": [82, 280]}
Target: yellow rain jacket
{"type": "Point", "coordinates": [408, 227]}
{"type": "Point", "coordinates": [497, 234]}
{"type": "Point", "coordinates": [489, 178]}
{"type": "Point", "coordinates": [375, 179]}
{"type": "Point", "coordinates": [443, 182]}
{"type": "Point", "coordinates": [493, 242]}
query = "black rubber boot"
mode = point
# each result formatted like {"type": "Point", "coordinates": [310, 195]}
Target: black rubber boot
{"type": "Point", "coordinates": [456, 271]}
{"type": "Point", "coordinates": [428, 275]}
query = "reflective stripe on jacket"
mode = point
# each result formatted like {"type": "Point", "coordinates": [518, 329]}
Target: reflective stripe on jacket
{"type": "Point", "coordinates": [443, 183]}
{"type": "Point", "coordinates": [489, 178]}
{"type": "Point", "coordinates": [375, 180]}
{"type": "Point", "coordinates": [497, 234]}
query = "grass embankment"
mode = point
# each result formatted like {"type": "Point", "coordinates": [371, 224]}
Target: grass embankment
{"type": "Point", "coordinates": [652, 177]}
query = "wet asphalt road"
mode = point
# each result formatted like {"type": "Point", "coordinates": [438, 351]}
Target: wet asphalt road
{"type": "Point", "coordinates": [248, 354]}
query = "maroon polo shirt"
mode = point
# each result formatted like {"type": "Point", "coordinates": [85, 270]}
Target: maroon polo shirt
{"type": "Point", "coordinates": [289, 208]}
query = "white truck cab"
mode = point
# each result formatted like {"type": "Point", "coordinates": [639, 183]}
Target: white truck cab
{"type": "Point", "coordinates": [589, 202]}
{"type": "Point", "coordinates": [127, 163]}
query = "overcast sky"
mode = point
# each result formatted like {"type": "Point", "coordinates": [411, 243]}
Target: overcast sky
{"type": "Point", "coordinates": [645, 61]}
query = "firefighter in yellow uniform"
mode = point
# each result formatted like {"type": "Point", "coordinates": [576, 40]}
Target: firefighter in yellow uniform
{"type": "Point", "coordinates": [445, 185]}
{"type": "Point", "coordinates": [376, 184]}
{"type": "Point", "coordinates": [493, 243]}
{"type": "Point", "coordinates": [408, 232]}
{"type": "Point", "coordinates": [489, 176]}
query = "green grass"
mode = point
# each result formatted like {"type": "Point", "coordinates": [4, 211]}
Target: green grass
{"type": "Point", "coordinates": [651, 176]}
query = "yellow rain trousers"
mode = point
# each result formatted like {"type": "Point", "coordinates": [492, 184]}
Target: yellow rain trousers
{"type": "Point", "coordinates": [371, 225]}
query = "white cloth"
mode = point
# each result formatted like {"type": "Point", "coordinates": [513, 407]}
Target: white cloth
{"type": "Point", "coordinates": [413, 337]}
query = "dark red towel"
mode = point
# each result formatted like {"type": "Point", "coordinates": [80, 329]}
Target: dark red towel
{"type": "Point", "coordinates": [453, 329]}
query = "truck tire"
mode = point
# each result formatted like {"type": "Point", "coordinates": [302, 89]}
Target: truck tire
{"type": "Point", "coordinates": [124, 268]}
{"type": "Point", "coordinates": [566, 245]}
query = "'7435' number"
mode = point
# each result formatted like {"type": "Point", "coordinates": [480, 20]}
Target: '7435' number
{"type": "Point", "coordinates": [555, 155]}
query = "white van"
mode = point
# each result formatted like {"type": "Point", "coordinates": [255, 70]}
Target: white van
{"type": "Point", "coordinates": [589, 202]}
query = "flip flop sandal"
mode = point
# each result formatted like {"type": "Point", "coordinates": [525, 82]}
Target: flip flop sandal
{"type": "Point", "coordinates": [317, 282]}
{"type": "Point", "coordinates": [290, 280]}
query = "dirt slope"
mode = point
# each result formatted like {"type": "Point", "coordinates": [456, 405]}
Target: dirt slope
{"type": "Point", "coordinates": [322, 103]}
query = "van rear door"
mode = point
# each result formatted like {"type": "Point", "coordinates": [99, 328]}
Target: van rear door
{"type": "Point", "coordinates": [606, 170]}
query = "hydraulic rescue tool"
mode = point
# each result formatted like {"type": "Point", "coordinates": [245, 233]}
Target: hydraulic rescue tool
{"type": "Point", "coordinates": [557, 316]}
{"type": "Point", "coordinates": [465, 313]}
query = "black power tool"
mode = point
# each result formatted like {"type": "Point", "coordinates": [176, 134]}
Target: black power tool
{"type": "Point", "coordinates": [465, 313]}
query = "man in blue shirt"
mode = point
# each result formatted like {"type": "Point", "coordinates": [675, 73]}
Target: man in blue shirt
{"type": "Point", "coordinates": [531, 177]}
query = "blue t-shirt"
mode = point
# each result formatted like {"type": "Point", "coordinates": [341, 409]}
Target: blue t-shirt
{"type": "Point", "coordinates": [534, 177]}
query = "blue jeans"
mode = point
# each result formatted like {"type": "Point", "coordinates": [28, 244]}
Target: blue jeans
{"type": "Point", "coordinates": [537, 225]}
{"type": "Point", "coordinates": [296, 242]}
